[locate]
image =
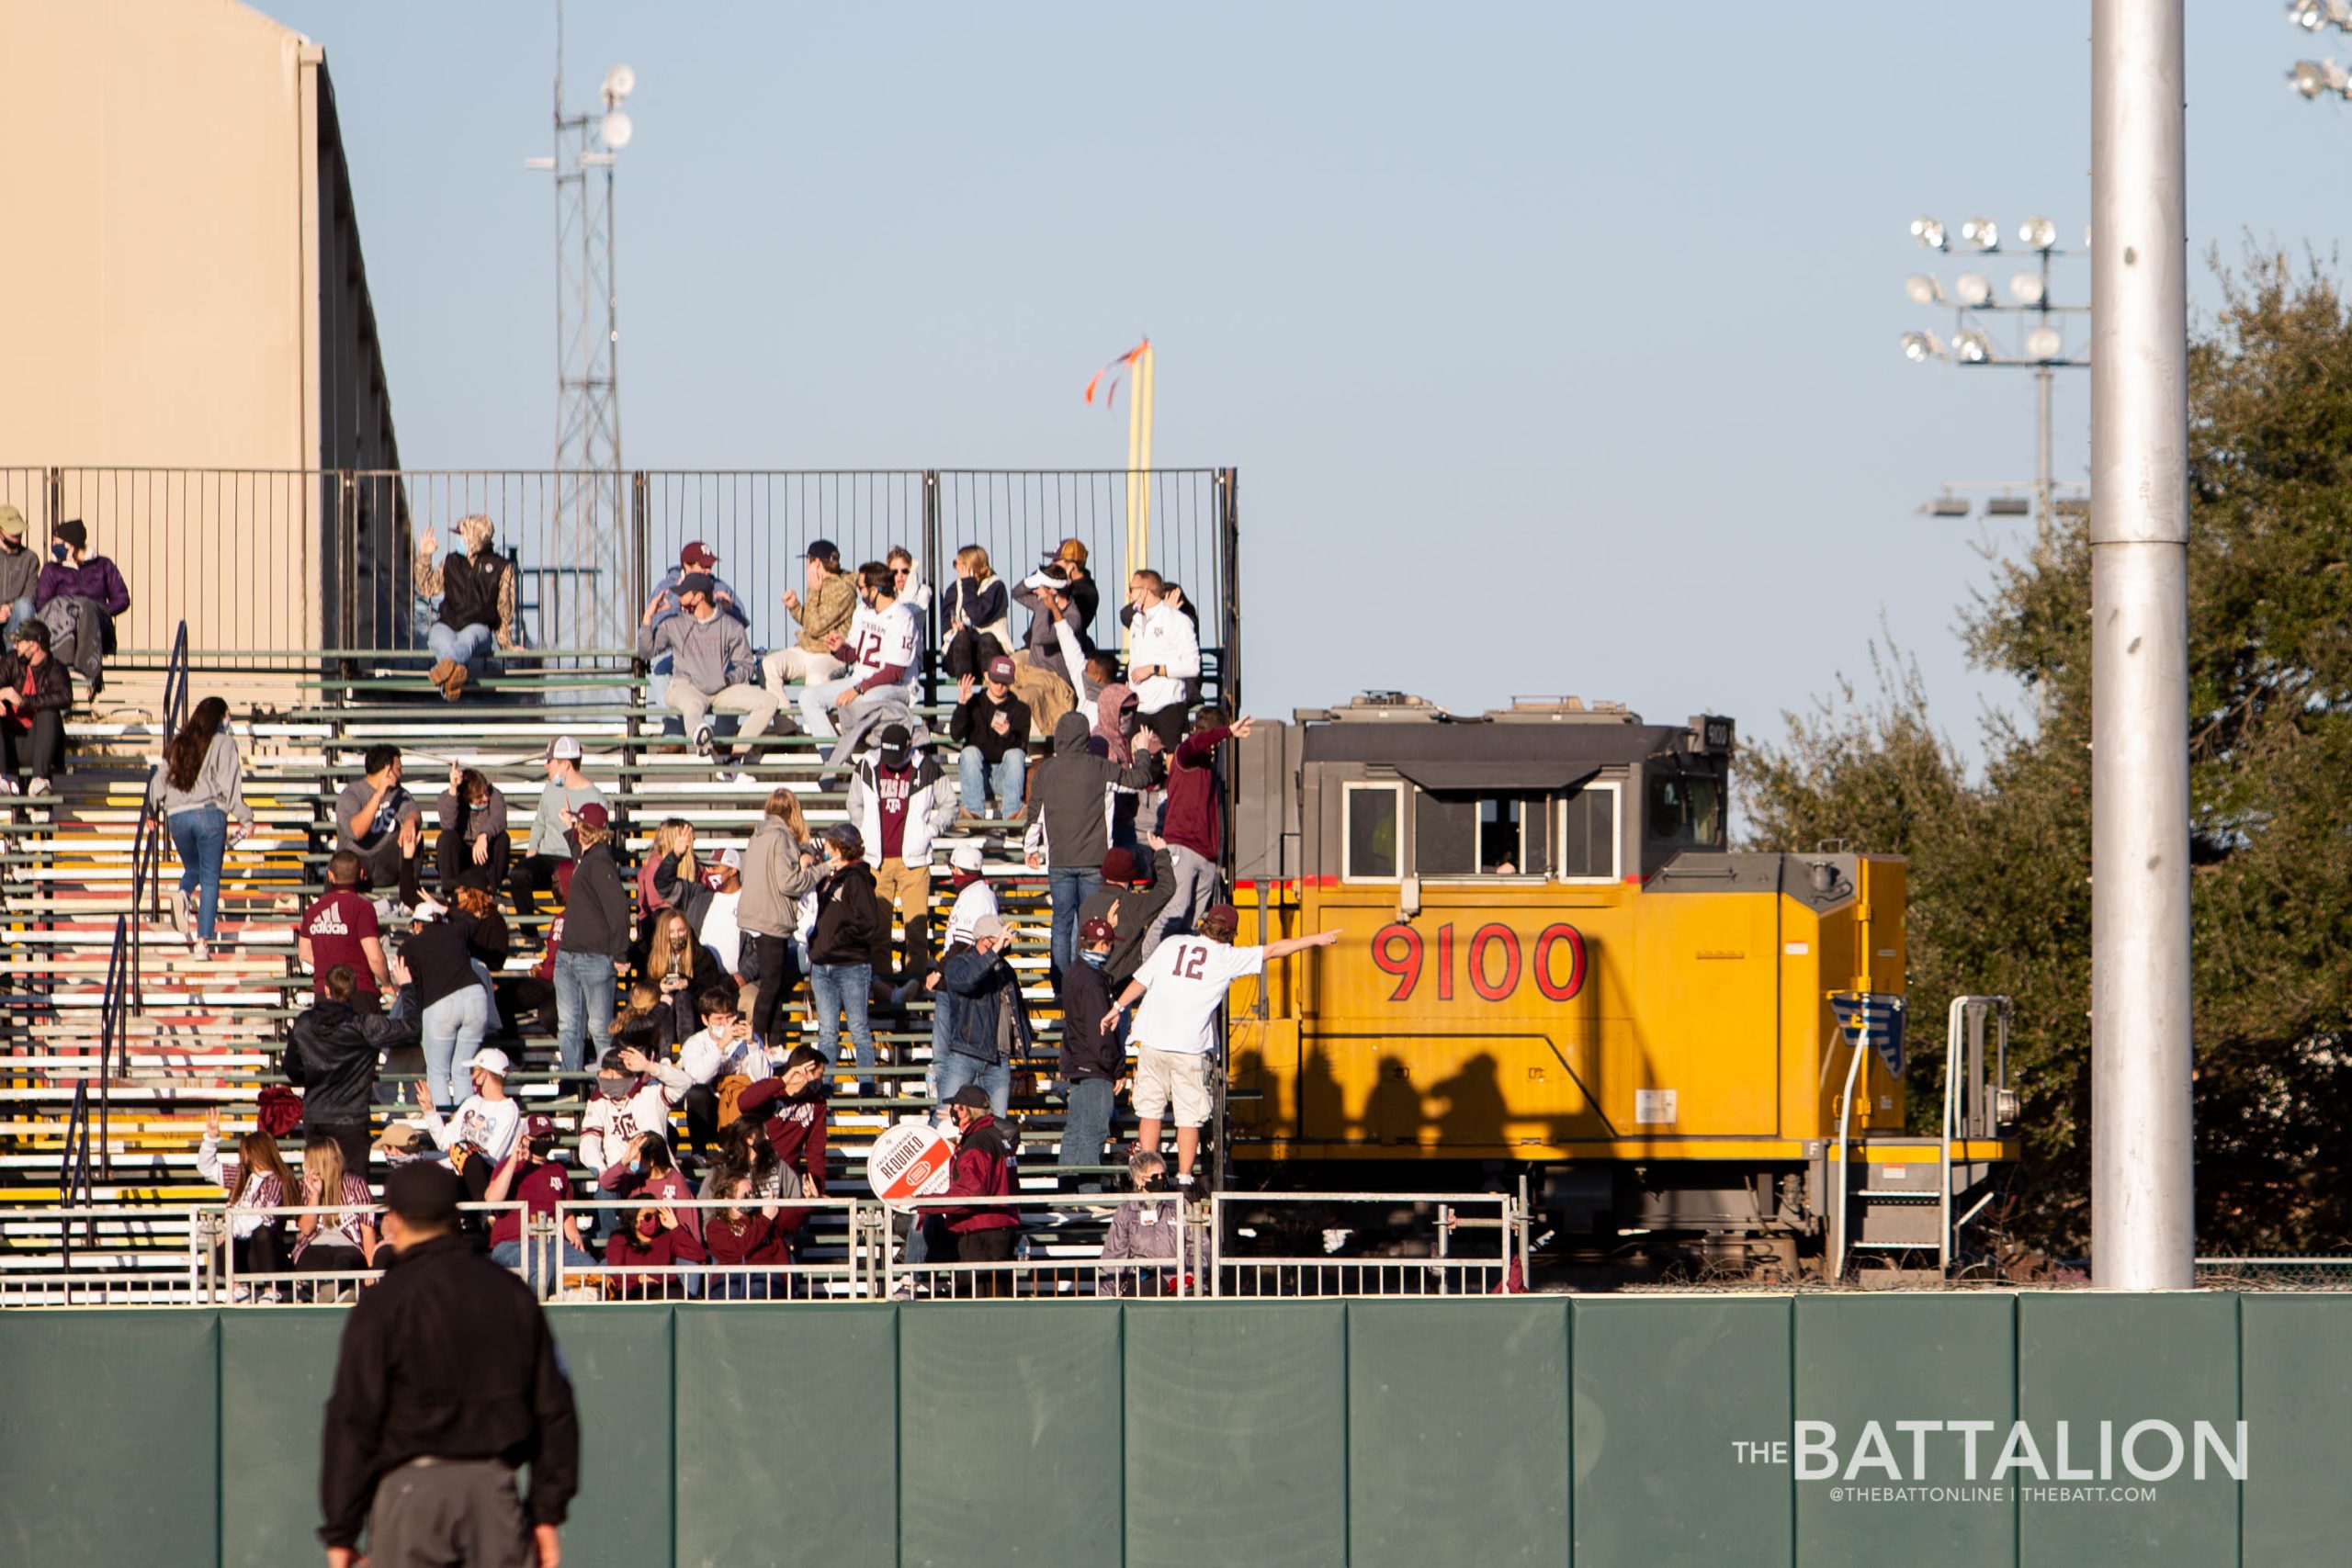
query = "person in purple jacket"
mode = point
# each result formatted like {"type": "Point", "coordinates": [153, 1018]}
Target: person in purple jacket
{"type": "Point", "coordinates": [79, 595]}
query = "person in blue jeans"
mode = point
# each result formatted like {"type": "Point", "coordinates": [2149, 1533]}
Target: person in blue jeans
{"type": "Point", "coordinates": [1068, 832]}
{"type": "Point", "coordinates": [199, 786]}
{"type": "Point", "coordinates": [988, 1022]}
{"type": "Point", "coordinates": [992, 728]}
{"type": "Point", "coordinates": [476, 615]}
{"type": "Point", "coordinates": [530, 1176]}
{"type": "Point", "coordinates": [1092, 1058]}
{"type": "Point", "coordinates": [840, 948]}
{"type": "Point", "coordinates": [594, 948]}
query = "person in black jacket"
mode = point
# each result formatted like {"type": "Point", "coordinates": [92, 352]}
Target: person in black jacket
{"type": "Point", "coordinates": [445, 1384]}
{"type": "Point", "coordinates": [331, 1052]}
{"type": "Point", "coordinates": [987, 1020]}
{"type": "Point", "coordinates": [594, 951]}
{"type": "Point", "coordinates": [990, 729]}
{"type": "Point", "coordinates": [840, 948]}
{"type": "Point", "coordinates": [1093, 1061]}
{"type": "Point", "coordinates": [35, 693]}
{"type": "Point", "coordinates": [1068, 832]}
{"type": "Point", "coordinates": [1130, 908]}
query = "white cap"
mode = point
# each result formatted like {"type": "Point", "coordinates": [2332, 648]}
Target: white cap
{"type": "Point", "coordinates": [563, 749]}
{"type": "Point", "coordinates": [490, 1059]}
{"type": "Point", "coordinates": [966, 857]}
{"type": "Point", "coordinates": [732, 858]}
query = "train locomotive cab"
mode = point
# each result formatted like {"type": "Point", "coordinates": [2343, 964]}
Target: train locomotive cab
{"type": "Point", "coordinates": [1553, 966]}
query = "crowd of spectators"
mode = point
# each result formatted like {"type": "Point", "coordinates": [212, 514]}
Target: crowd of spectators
{"type": "Point", "coordinates": [667, 973]}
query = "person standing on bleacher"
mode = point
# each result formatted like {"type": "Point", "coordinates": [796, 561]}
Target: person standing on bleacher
{"type": "Point", "coordinates": [547, 855]}
{"type": "Point", "coordinates": [447, 1384]}
{"type": "Point", "coordinates": [594, 953]}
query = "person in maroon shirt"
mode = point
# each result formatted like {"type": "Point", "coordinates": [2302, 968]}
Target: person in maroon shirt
{"type": "Point", "coordinates": [651, 1237]}
{"type": "Point", "coordinates": [1192, 824]}
{"type": "Point", "coordinates": [527, 1175]}
{"type": "Point", "coordinates": [797, 1114]}
{"type": "Point", "coordinates": [749, 1235]}
{"type": "Point", "coordinates": [341, 928]}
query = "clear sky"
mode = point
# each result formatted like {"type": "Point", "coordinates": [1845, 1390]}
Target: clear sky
{"type": "Point", "coordinates": [1556, 344]}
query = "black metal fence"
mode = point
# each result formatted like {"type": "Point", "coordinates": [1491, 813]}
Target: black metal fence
{"type": "Point", "coordinates": [285, 561]}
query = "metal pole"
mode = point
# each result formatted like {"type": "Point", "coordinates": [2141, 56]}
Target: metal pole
{"type": "Point", "coordinates": [2042, 518]}
{"type": "Point", "coordinates": [2142, 1210]}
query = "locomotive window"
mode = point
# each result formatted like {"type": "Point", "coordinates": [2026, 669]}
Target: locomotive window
{"type": "Point", "coordinates": [1478, 835]}
{"type": "Point", "coordinates": [1588, 834]}
{"type": "Point", "coordinates": [1372, 819]}
{"type": "Point", "coordinates": [1686, 809]}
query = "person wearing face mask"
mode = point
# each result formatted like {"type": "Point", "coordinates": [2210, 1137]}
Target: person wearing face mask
{"type": "Point", "coordinates": [1145, 1231]}
{"type": "Point", "coordinates": [530, 1176]}
{"type": "Point", "coordinates": [744, 1241]}
{"type": "Point", "coordinates": [651, 1239]}
{"type": "Point", "coordinates": [485, 1120]}
{"type": "Point", "coordinates": [824, 617]}
{"type": "Point", "coordinates": [879, 652]}
{"type": "Point", "coordinates": [79, 595]}
{"type": "Point", "coordinates": [626, 1104]}
{"type": "Point", "coordinates": [1092, 1062]}
{"type": "Point", "coordinates": [794, 1104]}
{"type": "Point", "coordinates": [648, 1171]}
{"type": "Point", "coordinates": [19, 568]}
{"type": "Point", "coordinates": [476, 590]}
{"type": "Point", "coordinates": [35, 694]}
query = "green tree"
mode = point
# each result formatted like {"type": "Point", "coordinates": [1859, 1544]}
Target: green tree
{"type": "Point", "coordinates": [2000, 864]}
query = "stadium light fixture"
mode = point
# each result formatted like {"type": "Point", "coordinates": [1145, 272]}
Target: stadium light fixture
{"type": "Point", "coordinates": [2313, 77]}
{"type": "Point", "coordinates": [1972, 347]}
{"type": "Point", "coordinates": [2044, 343]}
{"type": "Point", "coordinates": [1928, 232]}
{"type": "Point", "coordinates": [1947, 507]}
{"type": "Point", "coordinates": [2038, 233]}
{"type": "Point", "coordinates": [1920, 347]}
{"type": "Point", "coordinates": [2313, 14]}
{"type": "Point", "coordinates": [616, 129]}
{"type": "Point", "coordinates": [2008, 506]}
{"type": "Point", "coordinates": [619, 83]}
{"type": "Point", "coordinates": [1922, 289]}
{"type": "Point", "coordinates": [2027, 289]}
{"type": "Point", "coordinates": [1975, 290]}
{"type": "Point", "coordinates": [1982, 232]}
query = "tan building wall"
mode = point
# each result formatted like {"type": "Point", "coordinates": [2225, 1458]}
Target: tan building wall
{"type": "Point", "coordinates": [185, 313]}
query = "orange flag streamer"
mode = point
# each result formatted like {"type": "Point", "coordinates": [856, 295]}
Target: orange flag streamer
{"type": "Point", "coordinates": [1111, 369]}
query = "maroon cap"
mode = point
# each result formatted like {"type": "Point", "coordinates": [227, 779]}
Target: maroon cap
{"type": "Point", "coordinates": [1119, 866]}
{"type": "Point", "coordinates": [1000, 671]}
{"type": "Point", "coordinates": [698, 554]}
{"type": "Point", "coordinates": [1094, 931]}
{"type": "Point", "coordinates": [538, 1126]}
{"type": "Point", "coordinates": [593, 814]}
{"type": "Point", "coordinates": [1221, 918]}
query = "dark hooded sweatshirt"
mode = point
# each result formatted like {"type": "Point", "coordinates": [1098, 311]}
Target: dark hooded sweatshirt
{"type": "Point", "coordinates": [1069, 798]}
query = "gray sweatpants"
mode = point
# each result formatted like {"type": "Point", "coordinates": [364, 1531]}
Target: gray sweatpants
{"type": "Point", "coordinates": [444, 1513]}
{"type": "Point", "coordinates": [1194, 889]}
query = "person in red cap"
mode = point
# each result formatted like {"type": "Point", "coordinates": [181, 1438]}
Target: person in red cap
{"type": "Point", "coordinates": [1093, 1060]}
{"type": "Point", "coordinates": [1184, 985]}
{"type": "Point", "coordinates": [990, 729]}
{"type": "Point", "coordinates": [529, 1175]}
{"type": "Point", "coordinates": [695, 556]}
{"type": "Point", "coordinates": [595, 952]}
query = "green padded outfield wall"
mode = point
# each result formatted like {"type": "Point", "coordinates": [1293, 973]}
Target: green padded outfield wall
{"type": "Point", "coordinates": [2066, 1428]}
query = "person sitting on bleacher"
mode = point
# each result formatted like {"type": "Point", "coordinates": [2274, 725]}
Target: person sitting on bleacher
{"type": "Point", "coordinates": [1052, 665]}
{"type": "Point", "coordinates": [695, 556]}
{"type": "Point", "coordinates": [650, 1237]}
{"type": "Point", "coordinates": [546, 860]}
{"type": "Point", "coordinates": [342, 1239]}
{"type": "Point", "coordinates": [824, 619]}
{"type": "Point", "coordinates": [477, 612]}
{"type": "Point", "coordinates": [913, 592]}
{"type": "Point", "coordinates": [748, 1236]}
{"type": "Point", "coordinates": [722, 1048]}
{"type": "Point", "coordinates": [472, 814]}
{"type": "Point", "coordinates": [20, 570]}
{"type": "Point", "coordinates": [331, 1049]}
{"type": "Point", "coordinates": [35, 693]}
{"type": "Point", "coordinates": [341, 928]}
{"type": "Point", "coordinates": [1145, 1231]}
{"type": "Point", "coordinates": [486, 1121]}
{"type": "Point", "coordinates": [647, 1171]}
{"type": "Point", "coordinates": [529, 1175]}
{"type": "Point", "coordinates": [1164, 654]}
{"type": "Point", "coordinates": [257, 1183]}
{"type": "Point", "coordinates": [990, 728]}
{"type": "Point", "coordinates": [79, 595]}
{"type": "Point", "coordinates": [712, 668]}
{"type": "Point", "coordinates": [878, 653]}
{"type": "Point", "coordinates": [378, 819]}
{"type": "Point", "coordinates": [795, 1114]}
{"type": "Point", "coordinates": [626, 1102]}
{"type": "Point", "coordinates": [977, 610]}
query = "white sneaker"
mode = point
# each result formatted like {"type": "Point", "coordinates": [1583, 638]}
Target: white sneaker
{"type": "Point", "coordinates": [182, 919]}
{"type": "Point", "coordinates": [10, 786]}
{"type": "Point", "coordinates": [39, 786]}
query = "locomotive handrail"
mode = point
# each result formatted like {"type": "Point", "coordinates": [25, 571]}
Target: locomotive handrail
{"type": "Point", "coordinates": [1845, 1146]}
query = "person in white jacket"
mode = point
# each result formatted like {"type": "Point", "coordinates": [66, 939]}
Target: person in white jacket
{"type": "Point", "coordinates": [1163, 653]}
{"type": "Point", "coordinates": [724, 1047]}
{"type": "Point", "coordinates": [899, 800]}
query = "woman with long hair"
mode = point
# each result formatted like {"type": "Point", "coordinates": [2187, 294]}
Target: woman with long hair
{"type": "Point", "coordinates": [472, 812]}
{"type": "Point", "coordinates": [977, 612]}
{"type": "Point", "coordinates": [679, 968]}
{"type": "Point", "coordinates": [342, 1239]}
{"type": "Point", "coordinates": [200, 785]}
{"type": "Point", "coordinates": [257, 1183]}
{"type": "Point", "coordinates": [779, 875]}
{"type": "Point", "coordinates": [675, 836]}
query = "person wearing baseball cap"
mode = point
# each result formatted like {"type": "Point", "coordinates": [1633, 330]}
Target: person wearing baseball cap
{"type": "Point", "coordinates": [529, 1175]}
{"type": "Point", "coordinates": [594, 952]}
{"type": "Point", "coordinates": [446, 1385]}
{"type": "Point", "coordinates": [88, 593]}
{"type": "Point", "coordinates": [976, 1230]}
{"type": "Point", "coordinates": [1093, 1060]}
{"type": "Point", "coordinates": [546, 862]}
{"type": "Point", "coordinates": [1130, 904]}
{"type": "Point", "coordinates": [695, 556]}
{"type": "Point", "coordinates": [476, 591]}
{"type": "Point", "coordinates": [34, 695]}
{"type": "Point", "coordinates": [899, 800]}
{"type": "Point", "coordinates": [20, 567]}
{"type": "Point", "coordinates": [487, 1119]}
{"type": "Point", "coordinates": [990, 729]}
{"type": "Point", "coordinates": [824, 618]}
{"type": "Point", "coordinates": [712, 667]}
{"type": "Point", "coordinates": [1184, 985]}
{"type": "Point", "coordinates": [987, 1017]}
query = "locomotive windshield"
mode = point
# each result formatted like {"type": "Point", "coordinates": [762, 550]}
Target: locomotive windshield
{"type": "Point", "coordinates": [1686, 810]}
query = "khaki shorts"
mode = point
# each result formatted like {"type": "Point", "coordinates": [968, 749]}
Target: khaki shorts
{"type": "Point", "coordinates": [1181, 1076]}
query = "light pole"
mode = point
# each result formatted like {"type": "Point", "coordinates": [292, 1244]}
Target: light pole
{"type": "Point", "coordinates": [590, 585]}
{"type": "Point", "coordinates": [1971, 297]}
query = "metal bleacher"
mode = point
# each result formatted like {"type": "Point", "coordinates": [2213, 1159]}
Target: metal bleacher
{"type": "Point", "coordinates": [191, 1036]}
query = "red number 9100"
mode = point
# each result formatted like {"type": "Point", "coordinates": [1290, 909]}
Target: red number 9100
{"type": "Point", "coordinates": [1492, 961]}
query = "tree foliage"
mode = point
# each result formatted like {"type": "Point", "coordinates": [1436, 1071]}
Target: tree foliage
{"type": "Point", "coordinates": [2000, 864]}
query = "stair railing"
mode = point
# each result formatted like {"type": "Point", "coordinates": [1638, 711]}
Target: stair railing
{"type": "Point", "coordinates": [147, 840]}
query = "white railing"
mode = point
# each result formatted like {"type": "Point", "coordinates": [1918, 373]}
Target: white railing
{"type": "Point", "coordinates": [816, 1266]}
{"type": "Point", "coordinates": [1056, 1251]}
{"type": "Point", "coordinates": [1454, 1244]}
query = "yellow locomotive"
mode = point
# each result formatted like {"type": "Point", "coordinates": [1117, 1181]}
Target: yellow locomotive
{"type": "Point", "coordinates": [1553, 966]}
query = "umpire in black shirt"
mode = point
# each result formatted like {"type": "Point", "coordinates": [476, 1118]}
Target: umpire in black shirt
{"type": "Point", "coordinates": [447, 1384]}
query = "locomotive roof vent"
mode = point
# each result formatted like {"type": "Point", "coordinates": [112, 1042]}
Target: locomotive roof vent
{"type": "Point", "coordinates": [1562, 710]}
{"type": "Point", "coordinates": [1386, 706]}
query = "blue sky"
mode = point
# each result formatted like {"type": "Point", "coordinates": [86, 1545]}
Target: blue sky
{"type": "Point", "coordinates": [1556, 344]}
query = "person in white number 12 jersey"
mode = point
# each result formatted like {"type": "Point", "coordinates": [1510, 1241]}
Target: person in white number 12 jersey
{"type": "Point", "coordinates": [1183, 985]}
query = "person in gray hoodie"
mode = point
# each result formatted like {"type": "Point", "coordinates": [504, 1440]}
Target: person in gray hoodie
{"type": "Point", "coordinates": [1070, 824]}
{"type": "Point", "coordinates": [195, 791]}
{"type": "Point", "coordinates": [711, 664]}
{"type": "Point", "coordinates": [780, 870]}
{"type": "Point", "coordinates": [19, 570]}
